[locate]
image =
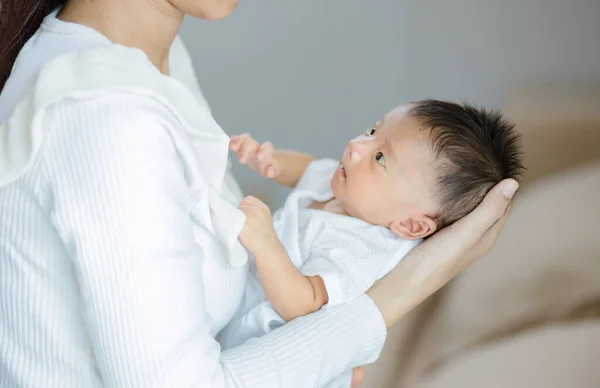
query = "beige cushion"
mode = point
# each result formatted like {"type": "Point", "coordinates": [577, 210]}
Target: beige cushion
{"type": "Point", "coordinates": [552, 357]}
{"type": "Point", "coordinates": [560, 128]}
{"type": "Point", "coordinates": [545, 267]}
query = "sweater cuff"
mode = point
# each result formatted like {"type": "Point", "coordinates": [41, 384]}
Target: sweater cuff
{"type": "Point", "coordinates": [311, 350]}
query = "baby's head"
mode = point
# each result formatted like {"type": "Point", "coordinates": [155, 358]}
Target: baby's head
{"type": "Point", "coordinates": [425, 165]}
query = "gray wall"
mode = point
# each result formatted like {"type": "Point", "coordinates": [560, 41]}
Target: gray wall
{"type": "Point", "coordinates": [309, 74]}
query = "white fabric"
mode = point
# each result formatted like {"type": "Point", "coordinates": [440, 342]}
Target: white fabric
{"type": "Point", "coordinates": [55, 38]}
{"type": "Point", "coordinates": [349, 254]}
{"type": "Point", "coordinates": [119, 258]}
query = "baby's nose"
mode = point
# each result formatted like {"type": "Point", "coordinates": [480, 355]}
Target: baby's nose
{"type": "Point", "coordinates": [357, 147]}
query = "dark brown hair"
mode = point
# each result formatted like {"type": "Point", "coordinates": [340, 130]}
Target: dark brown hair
{"type": "Point", "coordinates": [475, 148]}
{"type": "Point", "coordinates": [19, 20]}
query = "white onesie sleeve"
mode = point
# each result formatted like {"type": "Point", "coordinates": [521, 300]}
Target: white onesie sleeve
{"type": "Point", "coordinates": [340, 279]}
{"type": "Point", "coordinates": [350, 260]}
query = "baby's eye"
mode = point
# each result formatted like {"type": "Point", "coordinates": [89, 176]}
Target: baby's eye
{"type": "Point", "coordinates": [371, 131]}
{"type": "Point", "coordinates": [380, 159]}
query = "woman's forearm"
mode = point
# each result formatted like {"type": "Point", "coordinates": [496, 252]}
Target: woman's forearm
{"type": "Point", "coordinates": [405, 287]}
{"type": "Point", "coordinates": [291, 166]}
{"type": "Point", "coordinates": [311, 350]}
{"type": "Point", "coordinates": [440, 258]}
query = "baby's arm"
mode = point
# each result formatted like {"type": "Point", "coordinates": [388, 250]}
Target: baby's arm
{"type": "Point", "coordinates": [285, 167]}
{"type": "Point", "coordinates": [291, 293]}
{"type": "Point", "coordinates": [292, 165]}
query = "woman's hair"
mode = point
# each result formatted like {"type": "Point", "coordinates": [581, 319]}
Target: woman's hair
{"type": "Point", "coordinates": [19, 20]}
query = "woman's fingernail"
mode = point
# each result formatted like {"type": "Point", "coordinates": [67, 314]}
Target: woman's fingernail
{"type": "Point", "coordinates": [510, 189]}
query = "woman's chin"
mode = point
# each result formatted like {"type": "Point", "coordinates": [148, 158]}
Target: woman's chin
{"type": "Point", "coordinates": [216, 10]}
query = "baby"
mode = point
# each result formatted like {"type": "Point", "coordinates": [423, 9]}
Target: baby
{"type": "Point", "coordinates": [348, 223]}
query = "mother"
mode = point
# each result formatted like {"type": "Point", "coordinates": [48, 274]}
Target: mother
{"type": "Point", "coordinates": [119, 259]}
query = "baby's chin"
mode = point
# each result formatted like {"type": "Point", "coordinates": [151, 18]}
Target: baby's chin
{"type": "Point", "coordinates": [339, 191]}
{"type": "Point", "coordinates": [333, 184]}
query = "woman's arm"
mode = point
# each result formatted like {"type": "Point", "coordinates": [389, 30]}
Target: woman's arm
{"type": "Point", "coordinates": [121, 206]}
{"type": "Point", "coordinates": [440, 258]}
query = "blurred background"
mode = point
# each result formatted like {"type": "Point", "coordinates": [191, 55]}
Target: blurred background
{"type": "Point", "coordinates": [309, 75]}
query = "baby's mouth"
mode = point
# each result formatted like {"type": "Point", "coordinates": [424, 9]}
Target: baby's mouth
{"type": "Point", "coordinates": [342, 170]}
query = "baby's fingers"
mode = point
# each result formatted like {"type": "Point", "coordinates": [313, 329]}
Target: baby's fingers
{"type": "Point", "coordinates": [236, 141]}
{"type": "Point", "coordinates": [247, 150]}
{"type": "Point", "coordinates": [252, 202]}
{"type": "Point", "coordinates": [270, 172]}
{"type": "Point", "coordinates": [267, 162]}
{"type": "Point", "coordinates": [265, 151]}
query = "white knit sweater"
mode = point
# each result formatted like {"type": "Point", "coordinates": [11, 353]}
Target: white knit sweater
{"type": "Point", "coordinates": [119, 260]}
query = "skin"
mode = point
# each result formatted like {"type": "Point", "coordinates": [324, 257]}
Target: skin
{"type": "Point", "coordinates": [386, 176]}
{"type": "Point", "coordinates": [393, 163]}
{"type": "Point", "coordinates": [152, 25]}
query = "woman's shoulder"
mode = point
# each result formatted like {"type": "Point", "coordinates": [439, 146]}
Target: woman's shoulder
{"type": "Point", "coordinates": [115, 90]}
{"type": "Point", "coordinates": [95, 71]}
{"type": "Point", "coordinates": [118, 70]}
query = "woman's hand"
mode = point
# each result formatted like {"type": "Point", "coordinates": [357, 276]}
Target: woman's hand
{"type": "Point", "coordinates": [358, 376]}
{"type": "Point", "coordinates": [438, 259]}
{"type": "Point", "coordinates": [259, 157]}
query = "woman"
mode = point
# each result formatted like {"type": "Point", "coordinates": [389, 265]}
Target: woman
{"type": "Point", "coordinates": [119, 258]}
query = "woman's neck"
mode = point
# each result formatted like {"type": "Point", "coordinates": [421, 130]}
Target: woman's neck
{"type": "Point", "coordinates": [150, 25]}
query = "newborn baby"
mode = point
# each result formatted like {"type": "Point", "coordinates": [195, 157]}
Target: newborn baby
{"type": "Point", "coordinates": [347, 223]}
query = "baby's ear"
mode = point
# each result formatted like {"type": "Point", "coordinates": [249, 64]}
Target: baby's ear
{"type": "Point", "coordinates": [413, 228]}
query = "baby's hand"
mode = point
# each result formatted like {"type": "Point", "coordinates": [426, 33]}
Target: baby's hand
{"type": "Point", "coordinates": [259, 157]}
{"type": "Point", "coordinates": [258, 232]}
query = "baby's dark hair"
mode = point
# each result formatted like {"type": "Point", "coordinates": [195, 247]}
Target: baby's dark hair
{"type": "Point", "coordinates": [475, 149]}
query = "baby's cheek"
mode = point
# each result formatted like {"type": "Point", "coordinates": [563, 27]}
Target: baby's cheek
{"type": "Point", "coordinates": [364, 196]}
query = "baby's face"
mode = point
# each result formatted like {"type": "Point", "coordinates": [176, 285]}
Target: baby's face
{"type": "Point", "coordinates": [386, 175]}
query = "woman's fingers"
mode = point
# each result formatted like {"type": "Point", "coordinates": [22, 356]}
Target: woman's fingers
{"type": "Point", "coordinates": [358, 376]}
{"type": "Point", "coordinates": [494, 205]}
{"type": "Point", "coordinates": [485, 244]}
{"type": "Point", "coordinates": [471, 228]}
{"type": "Point", "coordinates": [474, 235]}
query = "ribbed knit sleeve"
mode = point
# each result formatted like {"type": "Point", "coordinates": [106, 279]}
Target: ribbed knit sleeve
{"type": "Point", "coordinates": [121, 206]}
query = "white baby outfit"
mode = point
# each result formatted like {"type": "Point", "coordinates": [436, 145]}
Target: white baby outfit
{"type": "Point", "coordinates": [347, 253]}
